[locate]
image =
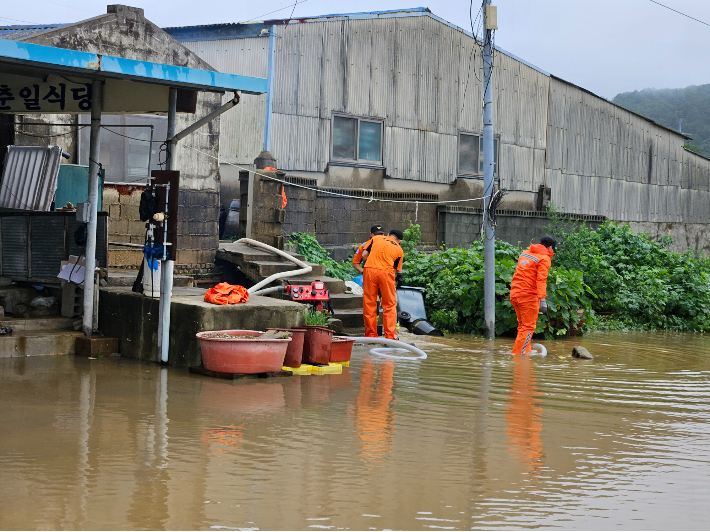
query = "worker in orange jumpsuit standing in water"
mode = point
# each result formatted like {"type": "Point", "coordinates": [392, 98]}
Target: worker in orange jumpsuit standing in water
{"type": "Point", "coordinates": [528, 291]}
{"type": "Point", "coordinates": [383, 257]}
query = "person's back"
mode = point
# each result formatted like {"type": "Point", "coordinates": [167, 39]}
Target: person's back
{"type": "Point", "coordinates": [384, 253]}
{"type": "Point", "coordinates": [530, 277]}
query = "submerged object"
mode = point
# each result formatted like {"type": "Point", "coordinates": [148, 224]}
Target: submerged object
{"type": "Point", "coordinates": [411, 311]}
{"type": "Point", "coordinates": [581, 352]}
{"type": "Point", "coordinates": [539, 349]}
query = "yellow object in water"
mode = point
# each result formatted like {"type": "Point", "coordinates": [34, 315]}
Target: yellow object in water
{"type": "Point", "coordinates": [344, 363]}
{"type": "Point", "coordinates": [303, 369]}
{"type": "Point", "coordinates": [333, 368]}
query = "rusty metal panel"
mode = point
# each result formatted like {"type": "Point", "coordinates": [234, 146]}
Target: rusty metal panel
{"type": "Point", "coordinates": [29, 177]}
{"type": "Point", "coordinates": [46, 244]}
{"type": "Point", "coordinates": [14, 246]}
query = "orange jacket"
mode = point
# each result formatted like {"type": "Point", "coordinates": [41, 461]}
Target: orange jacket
{"type": "Point", "coordinates": [383, 253]}
{"type": "Point", "coordinates": [357, 258]}
{"type": "Point", "coordinates": [530, 277]}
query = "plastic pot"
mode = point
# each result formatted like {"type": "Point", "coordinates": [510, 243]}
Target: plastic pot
{"type": "Point", "coordinates": [294, 353]}
{"type": "Point", "coordinates": [316, 345]}
{"type": "Point", "coordinates": [341, 349]}
{"type": "Point", "coordinates": [242, 355]}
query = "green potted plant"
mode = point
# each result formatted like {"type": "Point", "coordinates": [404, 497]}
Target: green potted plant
{"type": "Point", "coordinates": [316, 344]}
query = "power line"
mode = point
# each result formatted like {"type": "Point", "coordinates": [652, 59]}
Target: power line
{"type": "Point", "coordinates": [680, 13]}
{"type": "Point", "coordinates": [277, 10]}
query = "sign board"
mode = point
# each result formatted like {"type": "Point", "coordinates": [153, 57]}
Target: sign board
{"type": "Point", "coordinates": [72, 95]}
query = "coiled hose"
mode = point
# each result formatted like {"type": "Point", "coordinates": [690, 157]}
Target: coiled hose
{"type": "Point", "coordinates": [386, 352]}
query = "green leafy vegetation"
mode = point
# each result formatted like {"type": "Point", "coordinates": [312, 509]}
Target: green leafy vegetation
{"type": "Point", "coordinates": [316, 317]}
{"type": "Point", "coordinates": [453, 279]}
{"type": "Point", "coordinates": [640, 283]}
{"type": "Point", "coordinates": [309, 247]}
{"type": "Point", "coordinates": [668, 106]}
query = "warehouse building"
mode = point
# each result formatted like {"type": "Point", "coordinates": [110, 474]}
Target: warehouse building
{"type": "Point", "coordinates": [389, 105]}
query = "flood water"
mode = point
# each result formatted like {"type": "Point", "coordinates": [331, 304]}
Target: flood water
{"type": "Point", "coordinates": [469, 438]}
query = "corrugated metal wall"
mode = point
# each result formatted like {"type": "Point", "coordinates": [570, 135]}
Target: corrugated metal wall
{"type": "Point", "coordinates": [242, 128]}
{"type": "Point", "coordinates": [604, 160]}
{"type": "Point", "coordinates": [422, 77]}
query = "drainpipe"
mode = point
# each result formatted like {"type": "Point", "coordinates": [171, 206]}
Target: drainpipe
{"type": "Point", "coordinates": [93, 198]}
{"type": "Point", "coordinates": [168, 266]}
{"type": "Point", "coordinates": [270, 89]}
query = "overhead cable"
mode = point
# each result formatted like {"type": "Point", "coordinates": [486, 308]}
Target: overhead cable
{"type": "Point", "coordinates": [680, 13]}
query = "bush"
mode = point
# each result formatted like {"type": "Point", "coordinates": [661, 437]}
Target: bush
{"type": "Point", "coordinates": [309, 247]}
{"type": "Point", "coordinates": [453, 279]}
{"type": "Point", "coordinates": [640, 283]}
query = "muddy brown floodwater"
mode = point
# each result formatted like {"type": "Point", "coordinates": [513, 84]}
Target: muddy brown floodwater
{"type": "Point", "coordinates": [469, 438]}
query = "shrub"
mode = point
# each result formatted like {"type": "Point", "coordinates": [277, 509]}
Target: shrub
{"type": "Point", "coordinates": [309, 247]}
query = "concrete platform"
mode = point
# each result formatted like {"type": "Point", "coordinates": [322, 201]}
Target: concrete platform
{"type": "Point", "coordinates": [133, 319]}
{"type": "Point", "coordinates": [120, 277]}
{"type": "Point", "coordinates": [29, 343]}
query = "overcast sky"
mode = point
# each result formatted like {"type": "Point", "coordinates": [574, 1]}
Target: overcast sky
{"type": "Point", "coordinates": [605, 46]}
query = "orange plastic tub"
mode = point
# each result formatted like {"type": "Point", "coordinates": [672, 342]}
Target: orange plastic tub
{"type": "Point", "coordinates": [316, 347]}
{"type": "Point", "coordinates": [242, 355]}
{"type": "Point", "coordinates": [294, 353]}
{"type": "Point", "coordinates": [341, 349]}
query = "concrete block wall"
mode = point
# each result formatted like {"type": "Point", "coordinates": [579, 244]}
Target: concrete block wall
{"type": "Point", "coordinates": [338, 221]}
{"type": "Point", "coordinates": [461, 226]}
{"type": "Point", "coordinates": [124, 225]}
{"type": "Point", "coordinates": [267, 214]}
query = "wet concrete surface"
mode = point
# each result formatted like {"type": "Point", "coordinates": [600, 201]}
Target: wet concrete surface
{"type": "Point", "coordinates": [469, 438]}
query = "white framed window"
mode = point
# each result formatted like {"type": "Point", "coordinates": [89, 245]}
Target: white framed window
{"type": "Point", "coordinates": [471, 155]}
{"type": "Point", "coordinates": [357, 140]}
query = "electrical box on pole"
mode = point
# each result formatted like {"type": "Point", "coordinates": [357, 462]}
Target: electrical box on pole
{"type": "Point", "coordinates": [491, 17]}
{"type": "Point", "coordinates": [489, 266]}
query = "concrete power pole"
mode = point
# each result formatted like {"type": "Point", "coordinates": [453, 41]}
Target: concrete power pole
{"type": "Point", "coordinates": [489, 260]}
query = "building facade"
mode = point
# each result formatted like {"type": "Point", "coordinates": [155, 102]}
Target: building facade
{"type": "Point", "coordinates": [391, 103]}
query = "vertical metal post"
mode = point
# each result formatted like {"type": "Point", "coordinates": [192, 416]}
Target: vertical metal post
{"type": "Point", "coordinates": [489, 260]}
{"type": "Point", "coordinates": [93, 197]}
{"type": "Point", "coordinates": [270, 88]}
{"type": "Point", "coordinates": [167, 266]}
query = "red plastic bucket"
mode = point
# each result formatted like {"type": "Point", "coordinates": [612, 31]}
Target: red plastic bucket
{"type": "Point", "coordinates": [316, 346]}
{"type": "Point", "coordinates": [237, 355]}
{"type": "Point", "coordinates": [294, 353]}
{"type": "Point", "coordinates": [341, 349]}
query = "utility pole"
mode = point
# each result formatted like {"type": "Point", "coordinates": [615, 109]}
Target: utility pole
{"type": "Point", "coordinates": [490, 19]}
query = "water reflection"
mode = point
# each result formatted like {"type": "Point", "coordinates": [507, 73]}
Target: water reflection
{"type": "Point", "coordinates": [455, 441]}
{"type": "Point", "coordinates": [523, 416]}
{"type": "Point", "coordinates": [374, 416]}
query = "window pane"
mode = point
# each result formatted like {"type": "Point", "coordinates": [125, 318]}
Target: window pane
{"type": "Point", "coordinates": [468, 154]}
{"type": "Point", "coordinates": [495, 156]}
{"type": "Point", "coordinates": [370, 140]}
{"type": "Point", "coordinates": [344, 133]}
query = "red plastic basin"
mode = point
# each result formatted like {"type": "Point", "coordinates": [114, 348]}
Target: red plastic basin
{"type": "Point", "coordinates": [294, 353]}
{"type": "Point", "coordinates": [247, 355]}
{"type": "Point", "coordinates": [341, 349]}
{"type": "Point", "coordinates": [316, 346]}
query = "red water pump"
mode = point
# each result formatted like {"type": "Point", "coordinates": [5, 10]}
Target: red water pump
{"type": "Point", "coordinates": [315, 294]}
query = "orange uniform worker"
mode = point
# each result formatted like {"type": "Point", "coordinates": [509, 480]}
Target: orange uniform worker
{"type": "Point", "coordinates": [357, 259]}
{"type": "Point", "coordinates": [528, 290]}
{"type": "Point", "coordinates": [383, 257]}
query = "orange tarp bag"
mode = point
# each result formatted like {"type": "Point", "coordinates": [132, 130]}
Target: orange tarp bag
{"type": "Point", "coordinates": [227, 294]}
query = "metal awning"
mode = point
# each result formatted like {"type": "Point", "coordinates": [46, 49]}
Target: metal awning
{"type": "Point", "coordinates": [45, 79]}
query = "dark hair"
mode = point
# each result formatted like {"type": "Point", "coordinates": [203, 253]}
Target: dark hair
{"type": "Point", "coordinates": [548, 242]}
{"type": "Point", "coordinates": [377, 230]}
{"type": "Point", "coordinates": [397, 234]}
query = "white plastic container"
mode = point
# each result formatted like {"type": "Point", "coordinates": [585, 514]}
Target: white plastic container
{"type": "Point", "coordinates": [151, 278]}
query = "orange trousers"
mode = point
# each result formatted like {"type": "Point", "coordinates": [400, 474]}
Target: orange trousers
{"type": "Point", "coordinates": [384, 281]}
{"type": "Point", "coordinates": [526, 309]}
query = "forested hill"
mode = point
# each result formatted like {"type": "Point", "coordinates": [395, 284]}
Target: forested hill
{"type": "Point", "coordinates": [668, 106]}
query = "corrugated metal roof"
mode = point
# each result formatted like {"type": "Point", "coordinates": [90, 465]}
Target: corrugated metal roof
{"type": "Point", "coordinates": [15, 33]}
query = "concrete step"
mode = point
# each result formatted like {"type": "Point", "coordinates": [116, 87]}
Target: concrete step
{"type": "Point", "coordinates": [350, 318]}
{"type": "Point", "coordinates": [38, 343]}
{"type": "Point", "coordinates": [346, 302]}
{"type": "Point", "coordinates": [57, 323]}
{"type": "Point", "coordinates": [265, 269]}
